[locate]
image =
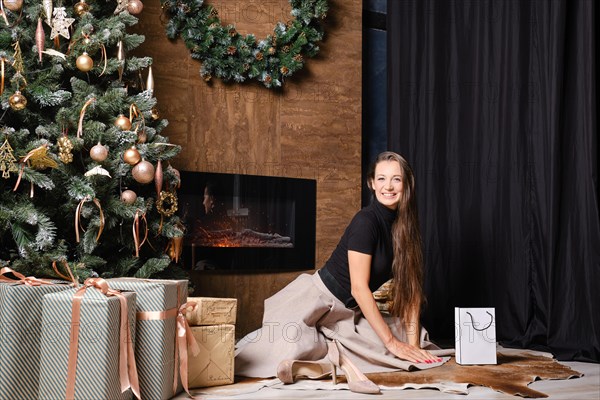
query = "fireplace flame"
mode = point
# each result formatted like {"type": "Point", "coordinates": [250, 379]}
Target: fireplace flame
{"type": "Point", "coordinates": [242, 238]}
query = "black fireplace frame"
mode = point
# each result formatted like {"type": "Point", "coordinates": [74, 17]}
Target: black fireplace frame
{"type": "Point", "coordinates": [255, 259]}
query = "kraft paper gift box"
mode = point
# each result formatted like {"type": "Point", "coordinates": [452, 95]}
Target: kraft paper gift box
{"type": "Point", "coordinates": [96, 367]}
{"type": "Point", "coordinates": [214, 365]}
{"type": "Point", "coordinates": [211, 311]}
{"type": "Point", "coordinates": [20, 331]}
{"type": "Point", "coordinates": [157, 304]}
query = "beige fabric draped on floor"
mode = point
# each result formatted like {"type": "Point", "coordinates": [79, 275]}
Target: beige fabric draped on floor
{"type": "Point", "coordinates": [299, 319]}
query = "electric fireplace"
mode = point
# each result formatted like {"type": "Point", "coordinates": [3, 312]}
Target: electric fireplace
{"type": "Point", "coordinates": [237, 222]}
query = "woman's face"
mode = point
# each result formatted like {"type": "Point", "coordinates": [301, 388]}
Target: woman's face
{"type": "Point", "coordinates": [387, 183]}
{"type": "Point", "coordinates": [209, 202]}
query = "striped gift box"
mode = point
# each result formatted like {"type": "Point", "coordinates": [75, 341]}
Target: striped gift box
{"type": "Point", "coordinates": [97, 370]}
{"type": "Point", "coordinates": [20, 327]}
{"type": "Point", "coordinates": [155, 339]}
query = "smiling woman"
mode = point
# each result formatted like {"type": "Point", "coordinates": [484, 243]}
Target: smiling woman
{"type": "Point", "coordinates": [333, 312]}
{"type": "Point", "coordinates": [228, 55]}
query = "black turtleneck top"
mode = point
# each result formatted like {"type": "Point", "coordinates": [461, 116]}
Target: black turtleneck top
{"type": "Point", "coordinates": [369, 232]}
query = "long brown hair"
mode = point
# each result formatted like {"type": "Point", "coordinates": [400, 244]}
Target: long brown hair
{"type": "Point", "coordinates": [407, 266]}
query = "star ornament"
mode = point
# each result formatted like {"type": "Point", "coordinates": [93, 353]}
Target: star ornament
{"type": "Point", "coordinates": [60, 23]}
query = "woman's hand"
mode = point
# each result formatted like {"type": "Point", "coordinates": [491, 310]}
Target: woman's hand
{"type": "Point", "coordinates": [410, 353]}
{"type": "Point", "coordinates": [360, 269]}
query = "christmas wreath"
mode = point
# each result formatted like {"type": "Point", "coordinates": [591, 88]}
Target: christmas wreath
{"type": "Point", "coordinates": [228, 55]}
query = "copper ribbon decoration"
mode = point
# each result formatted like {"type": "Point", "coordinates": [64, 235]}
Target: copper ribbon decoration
{"type": "Point", "coordinates": [105, 58]}
{"type": "Point", "coordinates": [3, 13]}
{"type": "Point", "coordinates": [174, 248]}
{"type": "Point", "coordinates": [127, 369]}
{"type": "Point", "coordinates": [81, 115]}
{"type": "Point", "coordinates": [157, 315]}
{"type": "Point", "coordinates": [32, 280]}
{"type": "Point", "coordinates": [78, 217]}
{"type": "Point", "coordinates": [22, 169]}
{"type": "Point", "coordinates": [134, 112]}
{"type": "Point", "coordinates": [2, 60]}
{"type": "Point", "coordinates": [67, 278]}
{"type": "Point", "coordinates": [183, 338]}
{"type": "Point", "coordinates": [136, 231]}
{"type": "Point", "coordinates": [22, 279]}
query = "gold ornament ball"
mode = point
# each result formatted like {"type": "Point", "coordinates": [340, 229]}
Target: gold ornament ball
{"type": "Point", "coordinates": [84, 62]}
{"type": "Point", "coordinates": [128, 196]}
{"type": "Point", "coordinates": [99, 153]}
{"type": "Point", "coordinates": [132, 156]}
{"type": "Point", "coordinates": [123, 122]}
{"type": "Point", "coordinates": [135, 7]}
{"type": "Point", "coordinates": [17, 101]}
{"type": "Point", "coordinates": [154, 113]}
{"type": "Point", "coordinates": [13, 5]}
{"type": "Point", "coordinates": [81, 8]}
{"type": "Point", "coordinates": [143, 172]}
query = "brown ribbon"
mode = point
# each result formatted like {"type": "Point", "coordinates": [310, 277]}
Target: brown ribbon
{"type": "Point", "coordinates": [24, 161]}
{"type": "Point", "coordinates": [174, 248]}
{"type": "Point", "coordinates": [136, 231]}
{"type": "Point", "coordinates": [105, 58]}
{"type": "Point", "coordinates": [67, 278]}
{"type": "Point", "coordinates": [22, 279]}
{"type": "Point", "coordinates": [3, 13]}
{"type": "Point", "coordinates": [183, 338]}
{"type": "Point", "coordinates": [21, 170]}
{"type": "Point", "coordinates": [134, 112]}
{"type": "Point", "coordinates": [78, 217]}
{"type": "Point", "coordinates": [157, 315]}
{"type": "Point", "coordinates": [127, 369]}
{"type": "Point", "coordinates": [2, 59]}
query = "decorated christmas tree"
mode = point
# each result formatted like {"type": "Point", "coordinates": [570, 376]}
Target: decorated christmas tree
{"type": "Point", "coordinates": [85, 169]}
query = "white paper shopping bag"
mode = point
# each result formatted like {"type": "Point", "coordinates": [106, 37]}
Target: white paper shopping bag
{"type": "Point", "coordinates": [475, 335]}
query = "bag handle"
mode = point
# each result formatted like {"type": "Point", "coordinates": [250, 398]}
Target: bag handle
{"type": "Point", "coordinates": [482, 329]}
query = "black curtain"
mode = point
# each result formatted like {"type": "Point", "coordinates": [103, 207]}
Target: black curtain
{"type": "Point", "coordinates": [494, 105]}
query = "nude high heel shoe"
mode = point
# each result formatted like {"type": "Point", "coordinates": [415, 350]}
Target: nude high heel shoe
{"type": "Point", "coordinates": [289, 370]}
{"type": "Point", "coordinates": [357, 381]}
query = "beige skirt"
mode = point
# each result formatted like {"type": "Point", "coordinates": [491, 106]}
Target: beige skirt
{"type": "Point", "coordinates": [301, 318]}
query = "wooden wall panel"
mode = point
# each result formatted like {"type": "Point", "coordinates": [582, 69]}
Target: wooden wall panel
{"type": "Point", "coordinates": [309, 129]}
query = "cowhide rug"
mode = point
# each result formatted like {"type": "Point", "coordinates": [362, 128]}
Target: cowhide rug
{"type": "Point", "coordinates": [512, 374]}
